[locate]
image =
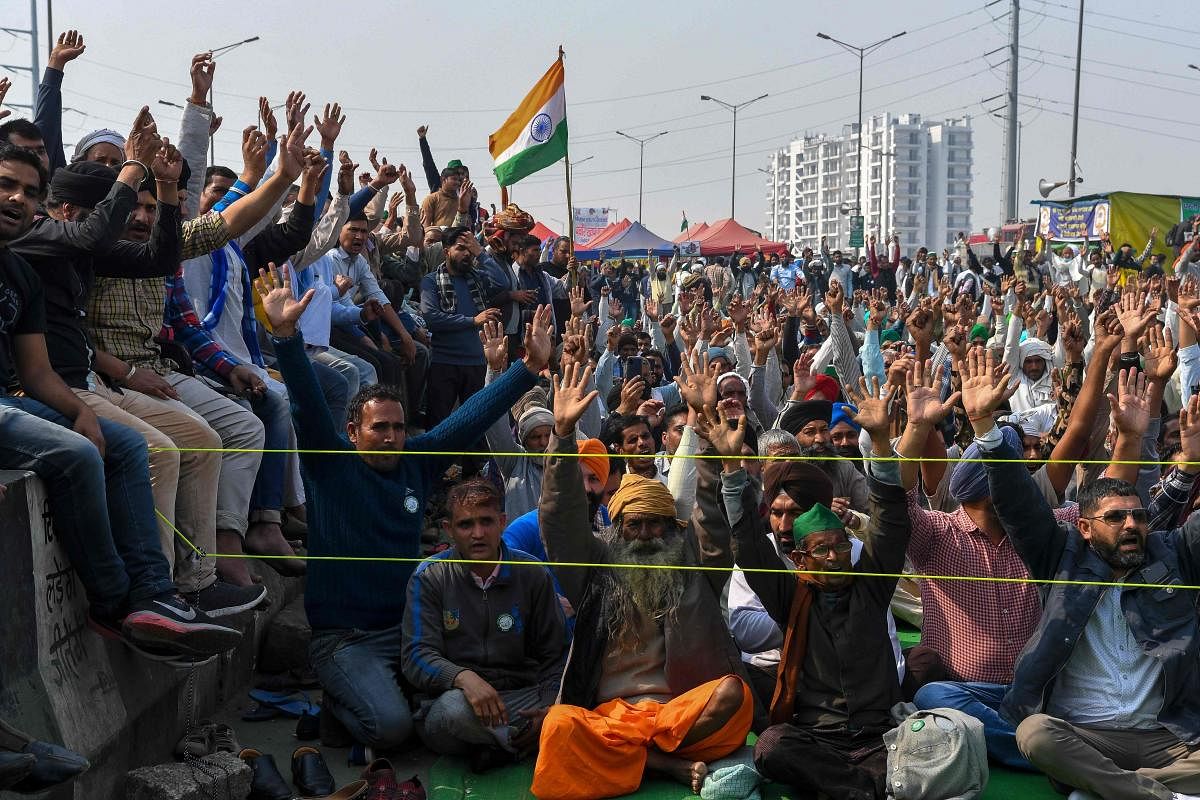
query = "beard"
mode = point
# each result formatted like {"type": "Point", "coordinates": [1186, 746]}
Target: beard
{"type": "Point", "coordinates": [1115, 557]}
{"type": "Point", "coordinates": [851, 453]}
{"type": "Point", "coordinates": [826, 463]}
{"type": "Point", "coordinates": [653, 593]}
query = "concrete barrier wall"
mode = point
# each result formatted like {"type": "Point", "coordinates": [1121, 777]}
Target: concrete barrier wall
{"type": "Point", "coordinates": [62, 682]}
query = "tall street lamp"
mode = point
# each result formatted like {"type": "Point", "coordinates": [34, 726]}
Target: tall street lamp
{"type": "Point", "coordinates": [220, 51]}
{"type": "Point", "coordinates": [861, 52]}
{"type": "Point", "coordinates": [733, 175]}
{"type": "Point", "coordinates": [641, 150]}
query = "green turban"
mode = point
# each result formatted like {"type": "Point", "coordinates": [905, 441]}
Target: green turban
{"type": "Point", "coordinates": [817, 518]}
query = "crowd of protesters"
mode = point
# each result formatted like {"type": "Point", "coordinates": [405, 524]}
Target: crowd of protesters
{"type": "Point", "coordinates": [184, 349]}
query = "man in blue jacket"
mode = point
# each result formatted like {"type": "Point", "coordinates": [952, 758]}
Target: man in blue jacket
{"type": "Point", "coordinates": [1107, 692]}
{"type": "Point", "coordinates": [368, 507]}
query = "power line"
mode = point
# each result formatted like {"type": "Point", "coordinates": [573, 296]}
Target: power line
{"type": "Point", "coordinates": [1089, 12]}
{"type": "Point", "coordinates": [1155, 39]}
{"type": "Point", "coordinates": [1111, 124]}
{"type": "Point", "coordinates": [1179, 76]}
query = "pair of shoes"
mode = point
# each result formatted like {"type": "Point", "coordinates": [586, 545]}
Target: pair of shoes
{"type": "Point", "coordinates": [208, 738]}
{"type": "Point", "coordinates": [171, 625]}
{"type": "Point", "coordinates": [221, 599]}
{"type": "Point", "coordinates": [48, 764]}
{"type": "Point", "coordinates": [309, 773]}
{"type": "Point", "coordinates": [382, 784]}
{"type": "Point", "coordinates": [265, 781]}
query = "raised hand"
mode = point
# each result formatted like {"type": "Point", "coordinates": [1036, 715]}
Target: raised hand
{"type": "Point", "coordinates": [696, 386]}
{"type": "Point", "coordinates": [803, 381]}
{"type": "Point", "coordinates": [1072, 337]}
{"type": "Point", "coordinates": [539, 340]}
{"type": "Point", "coordinates": [266, 116]}
{"type": "Point", "coordinates": [143, 142]}
{"type": "Point", "coordinates": [1189, 434]}
{"type": "Point", "coordinates": [295, 109]}
{"type": "Point", "coordinates": [763, 343]}
{"type": "Point", "coordinates": [70, 46]}
{"type": "Point", "coordinates": [984, 388]}
{"type": "Point", "coordinates": [631, 395]}
{"type": "Point", "coordinates": [725, 434]}
{"type": "Point", "coordinates": [465, 195]}
{"type": "Point", "coordinates": [407, 184]}
{"type": "Point", "coordinates": [386, 175]}
{"type": "Point", "coordinates": [570, 398]}
{"type": "Point", "coordinates": [168, 164]}
{"type": "Point", "coordinates": [579, 305]}
{"type": "Point", "coordinates": [1134, 315]}
{"type": "Point", "coordinates": [345, 176]}
{"type": "Point", "coordinates": [873, 403]}
{"type": "Point", "coordinates": [835, 297]}
{"type": "Point", "coordinates": [5, 85]}
{"type": "Point", "coordinates": [922, 389]}
{"type": "Point", "coordinates": [1159, 356]}
{"type": "Point", "coordinates": [202, 69]}
{"type": "Point", "coordinates": [1131, 405]}
{"type": "Point", "coordinates": [495, 345]}
{"type": "Point", "coordinates": [254, 153]}
{"type": "Point", "coordinates": [292, 155]}
{"type": "Point", "coordinates": [282, 309]}
{"type": "Point", "coordinates": [329, 124]}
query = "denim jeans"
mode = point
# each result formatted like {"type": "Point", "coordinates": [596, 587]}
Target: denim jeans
{"type": "Point", "coordinates": [103, 510]}
{"type": "Point", "coordinates": [276, 417]}
{"type": "Point", "coordinates": [981, 701]}
{"type": "Point", "coordinates": [358, 671]}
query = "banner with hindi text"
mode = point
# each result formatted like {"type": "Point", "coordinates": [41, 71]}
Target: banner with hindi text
{"type": "Point", "coordinates": [589, 222]}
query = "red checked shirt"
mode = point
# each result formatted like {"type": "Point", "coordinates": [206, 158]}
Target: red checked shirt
{"type": "Point", "coordinates": [977, 627]}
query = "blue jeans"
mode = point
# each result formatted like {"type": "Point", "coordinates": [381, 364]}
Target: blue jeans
{"type": "Point", "coordinates": [103, 510]}
{"type": "Point", "coordinates": [276, 417]}
{"type": "Point", "coordinates": [981, 701]}
{"type": "Point", "coordinates": [358, 673]}
{"type": "Point", "coordinates": [336, 389]}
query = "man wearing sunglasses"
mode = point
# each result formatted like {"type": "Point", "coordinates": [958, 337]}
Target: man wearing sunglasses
{"type": "Point", "coordinates": [1106, 695]}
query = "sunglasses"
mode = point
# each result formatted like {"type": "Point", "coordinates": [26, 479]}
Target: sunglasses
{"type": "Point", "coordinates": [823, 550]}
{"type": "Point", "coordinates": [1117, 516]}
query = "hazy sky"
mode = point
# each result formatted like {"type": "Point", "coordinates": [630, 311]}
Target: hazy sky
{"type": "Point", "coordinates": [641, 67]}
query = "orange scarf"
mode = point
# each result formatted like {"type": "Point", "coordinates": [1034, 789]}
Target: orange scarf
{"type": "Point", "coordinates": [795, 645]}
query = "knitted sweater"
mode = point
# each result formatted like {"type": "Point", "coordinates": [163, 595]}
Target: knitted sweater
{"type": "Point", "coordinates": [354, 510]}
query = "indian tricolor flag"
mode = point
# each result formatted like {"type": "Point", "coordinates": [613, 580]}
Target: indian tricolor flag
{"type": "Point", "coordinates": [535, 135]}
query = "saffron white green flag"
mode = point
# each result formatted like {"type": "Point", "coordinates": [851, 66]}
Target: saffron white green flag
{"type": "Point", "coordinates": [535, 135]}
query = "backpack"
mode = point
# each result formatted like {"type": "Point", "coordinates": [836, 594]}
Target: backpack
{"type": "Point", "coordinates": [939, 754]}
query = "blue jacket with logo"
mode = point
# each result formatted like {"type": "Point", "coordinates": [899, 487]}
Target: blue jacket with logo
{"type": "Point", "coordinates": [1162, 618]}
{"type": "Point", "coordinates": [511, 634]}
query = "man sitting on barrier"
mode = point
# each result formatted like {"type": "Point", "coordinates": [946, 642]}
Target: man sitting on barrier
{"type": "Point", "coordinates": [371, 507]}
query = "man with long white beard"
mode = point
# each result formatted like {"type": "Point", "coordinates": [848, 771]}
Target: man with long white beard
{"type": "Point", "coordinates": [653, 680]}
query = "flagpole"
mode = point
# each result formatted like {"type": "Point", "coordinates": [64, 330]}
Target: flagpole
{"type": "Point", "coordinates": [567, 160]}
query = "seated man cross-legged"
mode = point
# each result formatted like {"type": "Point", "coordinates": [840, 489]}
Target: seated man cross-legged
{"type": "Point", "coordinates": [483, 641]}
{"type": "Point", "coordinates": [653, 679]}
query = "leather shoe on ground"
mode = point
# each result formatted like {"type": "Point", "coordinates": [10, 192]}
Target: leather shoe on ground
{"type": "Point", "coordinates": [265, 781]}
{"type": "Point", "coordinates": [15, 767]}
{"type": "Point", "coordinates": [310, 774]}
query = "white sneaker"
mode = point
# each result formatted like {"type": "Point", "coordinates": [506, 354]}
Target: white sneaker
{"type": "Point", "coordinates": [1080, 794]}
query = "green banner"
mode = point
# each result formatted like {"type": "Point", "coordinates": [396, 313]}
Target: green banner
{"type": "Point", "coordinates": [856, 231]}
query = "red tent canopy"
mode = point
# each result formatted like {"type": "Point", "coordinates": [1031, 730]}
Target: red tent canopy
{"type": "Point", "coordinates": [727, 235]}
{"type": "Point", "coordinates": [607, 235]}
{"type": "Point", "coordinates": [693, 232]}
{"type": "Point", "coordinates": [542, 232]}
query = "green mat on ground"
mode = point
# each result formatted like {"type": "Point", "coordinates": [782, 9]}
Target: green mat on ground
{"type": "Point", "coordinates": [451, 779]}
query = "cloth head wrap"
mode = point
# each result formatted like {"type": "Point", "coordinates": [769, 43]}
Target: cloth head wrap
{"type": "Point", "coordinates": [1036, 348]}
{"type": "Point", "coordinates": [890, 335]}
{"type": "Point", "coordinates": [817, 518]}
{"type": "Point", "coordinates": [721, 379]}
{"type": "Point", "coordinates": [969, 480]}
{"type": "Point", "coordinates": [534, 417]}
{"type": "Point", "coordinates": [639, 495]}
{"type": "Point", "coordinates": [513, 220]}
{"type": "Point", "coordinates": [805, 483]}
{"type": "Point", "coordinates": [841, 415]}
{"type": "Point", "coordinates": [800, 414]}
{"type": "Point", "coordinates": [826, 389]}
{"type": "Point", "coordinates": [720, 352]}
{"type": "Point", "coordinates": [84, 183]}
{"type": "Point", "coordinates": [979, 331]}
{"type": "Point", "coordinates": [102, 136]}
{"type": "Point", "coordinates": [596, 458]}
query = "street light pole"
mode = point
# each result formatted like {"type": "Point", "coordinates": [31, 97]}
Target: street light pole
{"type": "Point", "coordinates": [220, 51]}
{"type": "Point", "coordinates": [861, 52]}
{"type": "Point", "coordinates": [1075, 111]}
{"type": "Point", "coordinates": [641, 150]}
{"type": "Point", "coordinates": [734, 107]}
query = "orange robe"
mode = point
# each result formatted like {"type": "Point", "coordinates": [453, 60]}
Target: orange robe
{"type": "Point", "coordinates": [586, 755]}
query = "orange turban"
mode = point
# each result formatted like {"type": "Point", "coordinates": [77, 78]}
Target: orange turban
{"type": "Point", "coordinates": [639, 495]}
{"type": "Point", "coordinates": [594, 457]}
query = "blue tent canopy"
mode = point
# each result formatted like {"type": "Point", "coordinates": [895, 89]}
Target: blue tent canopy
{"type": "Point", "coordinates": [635, 241]}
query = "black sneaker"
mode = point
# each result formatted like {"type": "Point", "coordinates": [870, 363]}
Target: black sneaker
{"type": "Point", "coordinates": [169, 623]}
{"type": "Point", "coordinates": [223, 599]}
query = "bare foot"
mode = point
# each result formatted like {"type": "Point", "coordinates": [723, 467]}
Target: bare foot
{"type": "Point", "coordinates": [689, 773]}
{"type": "Point", "coordinates": [232, 570]}
{"type": "Point", "coordinates": [266, 539]}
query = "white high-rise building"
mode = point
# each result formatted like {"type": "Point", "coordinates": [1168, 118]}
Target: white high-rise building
{"type": "Point", "coordinates": [917, 183]}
